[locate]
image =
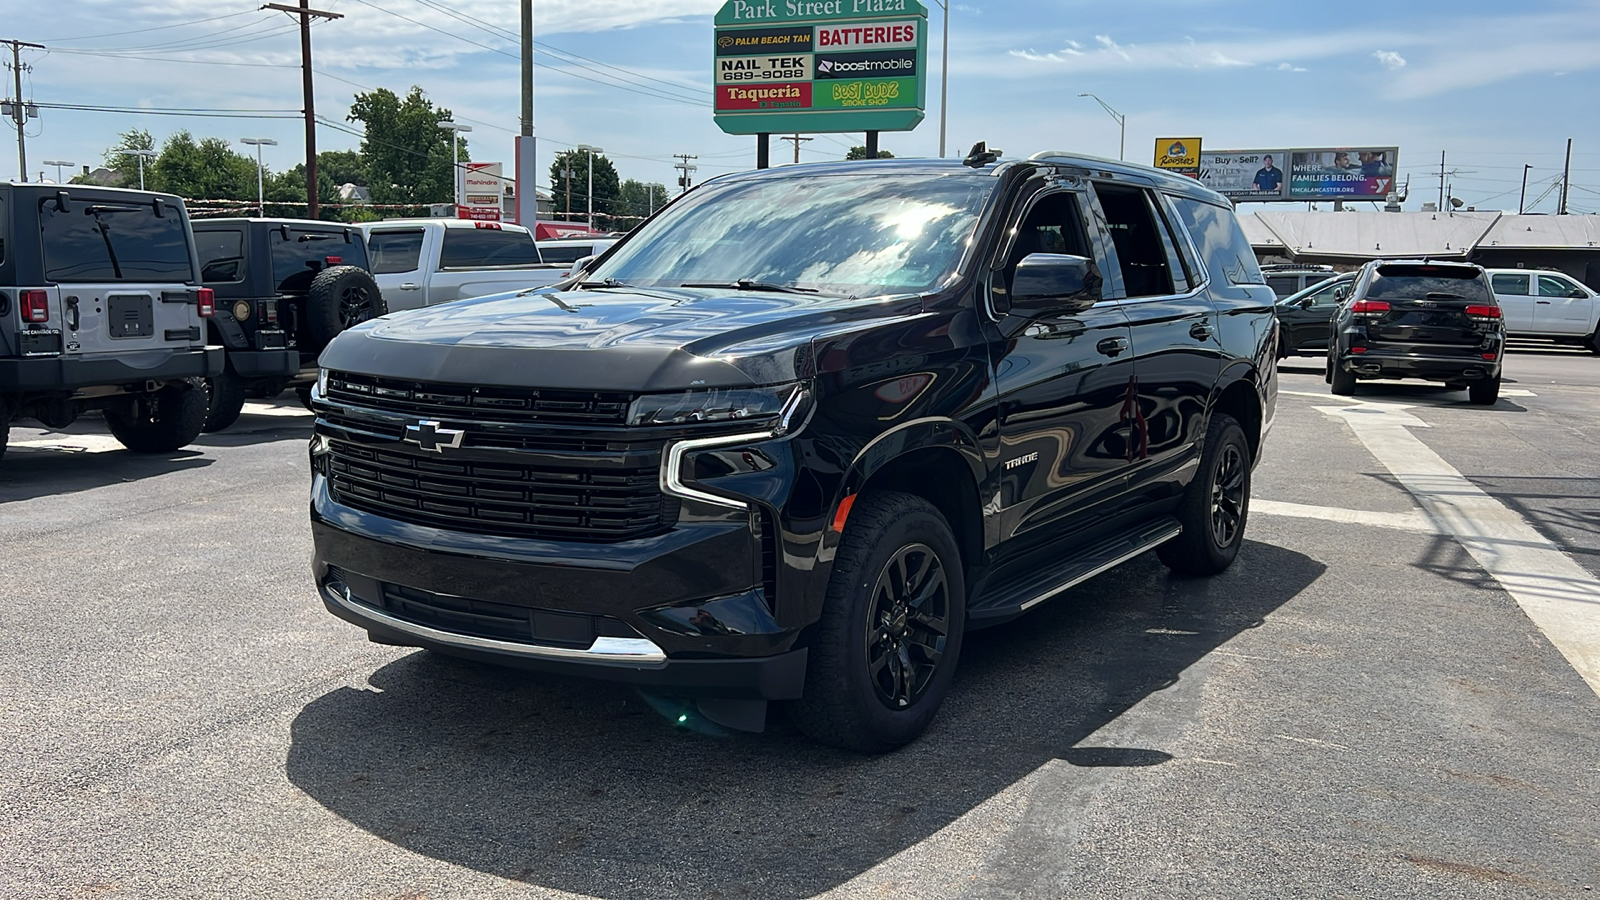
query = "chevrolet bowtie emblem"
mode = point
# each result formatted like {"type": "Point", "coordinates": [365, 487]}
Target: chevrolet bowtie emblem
{"type": "Point", "coordinates": [429, 436]}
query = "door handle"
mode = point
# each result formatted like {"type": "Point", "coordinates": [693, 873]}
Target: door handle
{"type": "Point", "coordinates": [1544, 302]}
{"type": "Point", "coordinates": [411, 286]}
{"type": "Point", "coordinates": [1112, 346]}
{"type": "Point", "coordinates": [1200, 331]}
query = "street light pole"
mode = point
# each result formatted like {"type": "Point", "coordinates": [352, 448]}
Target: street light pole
{"type": "Point", "coordinates": [142, 155]}
{"type": "Point", "coordinates": [261, 194]}
{"type": "Point", "coordinates": [590, 152]}
{"type": "Point", "coordinates": [59, 164]}
{"type": "Point", "coordinates": [1122, 121]}
{"type": "Point", "coordinates": [1523, 197]}
{"type": "Point", "coordinates": [944, 74]}
{"type": "Point", "coordinates": [455, 130]}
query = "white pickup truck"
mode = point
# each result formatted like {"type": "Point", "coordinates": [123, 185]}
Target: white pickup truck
{"type": "Point", "coordinates": [425, 262]}
{"type": "Point", "coordinates": [1545, 304]}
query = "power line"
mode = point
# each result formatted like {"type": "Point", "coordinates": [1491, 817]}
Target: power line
{"type": "Point", "coordinates": [191, 62]}
{"type": "Point", "coordinates": [90, 37]}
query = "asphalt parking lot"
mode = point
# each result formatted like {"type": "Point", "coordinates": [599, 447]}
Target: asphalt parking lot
{"type": "Point", "coordinates": [1385, 697]}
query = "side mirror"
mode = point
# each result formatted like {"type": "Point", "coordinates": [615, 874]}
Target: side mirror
{"type": "Point", "coordinates": [1578, 294]}
{"type": "Point", "coordinates": [1054, 281]}
{"type": "Point", "coordinates": [1306, 302]}
{"type": "Point", "coordinates": [1341, 292]}
{"type": "Point", "coordinates": [581, 266]}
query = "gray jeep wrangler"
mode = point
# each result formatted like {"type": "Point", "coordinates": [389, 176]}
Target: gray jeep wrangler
{"type": "Point", "coordinates": [101, 308]}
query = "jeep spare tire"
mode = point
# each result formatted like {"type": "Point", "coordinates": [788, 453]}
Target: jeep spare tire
{"type": "Point", "coordinates": [340, 297]}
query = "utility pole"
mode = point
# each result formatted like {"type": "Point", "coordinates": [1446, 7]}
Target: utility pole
{"type": "Point", "coordinates": [685, 168]}
{"type": "Point", "coordinates": [1441, 180]}
{"type": "Point", "coordinates": [306, 14]}
{"type": "Point", "coordinates": [527, 146]}
{"type": "Point", "coordinates": [1523, 197]}
{"type": "Point", "coordinates": [20, 110]}
{"type": "Point", "coordinates": [567, 170]}
{"type": "Point", "coordinates": [1566, 179]}
{"type": "Point", "coordinates": [797, 140]}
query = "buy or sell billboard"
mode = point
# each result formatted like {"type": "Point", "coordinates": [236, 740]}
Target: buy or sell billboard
{"type": "Point", "coordinates": [1334, 173]}
{"type": "Point", "coordinates": [1246, 174]}
{"type": "Point", "coordinates": [820, 65]}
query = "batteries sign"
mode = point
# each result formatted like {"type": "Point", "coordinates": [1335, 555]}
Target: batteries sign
{"type": "Point", "coordinates": [820, 65]}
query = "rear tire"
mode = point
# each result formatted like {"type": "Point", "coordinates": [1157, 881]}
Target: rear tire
{"type": "Point", "coordinates": [882, 656]}
{"type": "Point", "coordinates": [161, 422]}
{"type": "Point", "coordinates": [226, 396]}
{"type": "Point", "coordinates": [1484, 393]}
{"type": "Point", "coordinates": [340, 297]}
{"type": "Point", "coordinates": [5, 426]}
{"type": "Point", "coordinates": [1216, 506]}
{"type": "Point", "coordinates": [1594, 340]}
{"type": "Point", "coordinates": [303, 394]}
{"type": "Point", "coordinates": [1342, 379]}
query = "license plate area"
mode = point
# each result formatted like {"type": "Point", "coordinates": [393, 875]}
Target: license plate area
{"type": "Point", "coordinates": [130, 316]}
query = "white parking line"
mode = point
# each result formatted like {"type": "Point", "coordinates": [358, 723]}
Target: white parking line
{"type": "Point", "coordinates": [1404, 521]}
{"type": "Point", "coordinates": [1560, 596]}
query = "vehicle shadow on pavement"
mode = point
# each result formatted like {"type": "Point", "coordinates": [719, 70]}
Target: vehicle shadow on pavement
{"type": "Point", "coordinates": [30, 472]}
{"type": "Point", "coordinates": [592, 788]}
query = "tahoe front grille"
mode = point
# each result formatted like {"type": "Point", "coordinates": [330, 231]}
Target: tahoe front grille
{"type": "Point", "coordinates": [509, 497]}
{"type": "Point", "coordinates": [426, 400]}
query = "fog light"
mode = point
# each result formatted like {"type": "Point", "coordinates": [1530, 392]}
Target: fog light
{"type": "Point", "coordinates": [241, 310]}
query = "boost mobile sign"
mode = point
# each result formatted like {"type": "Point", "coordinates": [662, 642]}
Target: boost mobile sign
{"type": "Point", "coordinates": [820, 65]}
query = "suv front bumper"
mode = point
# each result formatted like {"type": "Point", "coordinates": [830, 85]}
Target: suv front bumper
{"type": "Point", "coordinates": [63, 373]}
{"type": "Point", "coordinates": [676, 612]}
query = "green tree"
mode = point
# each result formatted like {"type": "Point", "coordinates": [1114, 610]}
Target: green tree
{"type": "Point", "coordinates": [407, 154]}
{"type": "Point", "coordinates": [126, 165]}
{"type": "Point", "coordinates": [635, 199]}
{"type": "Point", "coordinates": [860, 152]}
{"type": "Point", "coordinates": [207, 169]}
{"type": "Point", "coordinates": [606, 185]}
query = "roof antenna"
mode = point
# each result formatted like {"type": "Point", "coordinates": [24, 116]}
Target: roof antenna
{"type": "Point", "coordinates": [981, 155]}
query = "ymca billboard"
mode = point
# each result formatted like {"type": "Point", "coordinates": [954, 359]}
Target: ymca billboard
{"type": "Point", "coordinates": [820, 65]}
{"type": "Point", "coordinates": [1342, 173]}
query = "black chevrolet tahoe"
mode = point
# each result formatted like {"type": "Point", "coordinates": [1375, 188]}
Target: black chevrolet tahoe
{"type": "Point", "coordinates": [797, 434]}
{"type": "Point", "coordinates": [102, 309]}
{"type": "Point", "coordinates": [284, 288]}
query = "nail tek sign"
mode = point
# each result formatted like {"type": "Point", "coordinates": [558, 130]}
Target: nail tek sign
{"type": "Point", "coordinates": [820, 65]}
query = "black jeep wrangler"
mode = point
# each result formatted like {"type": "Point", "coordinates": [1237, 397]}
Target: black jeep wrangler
{"type": "Point", "coordinates": [798, 433]}
{"type": "Point", "coordinates": [101, 308]}
{"type": "Point", "coordinates": [284, 288]}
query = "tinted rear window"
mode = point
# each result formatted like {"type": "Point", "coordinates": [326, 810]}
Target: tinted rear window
{"type": "Point", "coordinates": [1223, 247]}
{"type": "Point", "coordinates": [395, 251]}
{"type": "Point", "coordinates": [566, 253]}
{"type": "Point", "coordinates": [113, 241]}
{"type": "Point", "coordinates": [487, 247]}
{"type": "Point", "coordinates": [1414, 282]}
{"type": "Point", "coordinates": [298, 259]}
{"type": "Point", "coordinates": [221, 255]}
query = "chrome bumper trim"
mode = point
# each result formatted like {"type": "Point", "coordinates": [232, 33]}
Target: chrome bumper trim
{"type": "Point", "coordinates": [611, 650]}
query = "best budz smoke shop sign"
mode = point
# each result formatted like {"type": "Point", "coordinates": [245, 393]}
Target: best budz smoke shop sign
{"type": "Point", "coordinates": [820, 65]}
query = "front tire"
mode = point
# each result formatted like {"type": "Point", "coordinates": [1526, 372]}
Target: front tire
{"type": "Point", "coordinates": [161, 422]}
{"type": "Point", "coordinates": [1594, 340]}
{"type": "Point", "coordinates": [885, 650]}
{"type": "Point", "coordinates": [1216, 506]}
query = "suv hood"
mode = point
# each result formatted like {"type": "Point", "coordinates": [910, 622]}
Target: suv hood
{"type": "Point", "coordinates": [623, 339]}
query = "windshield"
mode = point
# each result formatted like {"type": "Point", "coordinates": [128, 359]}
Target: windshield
{"type": "Point", "coordinates": [846, 235]}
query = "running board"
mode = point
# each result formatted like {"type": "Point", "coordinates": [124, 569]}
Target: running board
{"type": "Point", "coordinates": [1010, 598]}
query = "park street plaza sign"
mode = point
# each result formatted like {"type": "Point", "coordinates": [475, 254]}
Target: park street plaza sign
{"type": "Point", "coordinates": [820, 65]}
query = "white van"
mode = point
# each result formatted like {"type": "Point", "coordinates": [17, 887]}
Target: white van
{"type": "Point", "coordinates": [1547, 304]}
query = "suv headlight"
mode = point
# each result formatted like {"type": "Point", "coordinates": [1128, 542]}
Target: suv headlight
{"type": "Point", "coordinates": [718, 405]}
{"type": "Point", "coordinates": [322, 382]}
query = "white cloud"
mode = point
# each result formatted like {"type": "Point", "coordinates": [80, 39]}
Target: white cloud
{"type": "Point", "coordinates": [1105, 41]}
{"type": "Point", "coordinates": [1390, 59]}
{"type": "Point", "coordinates": [1289, 67]}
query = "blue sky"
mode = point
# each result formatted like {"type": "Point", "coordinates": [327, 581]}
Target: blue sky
{"type": "Point", "coordinates": [1497, 86]}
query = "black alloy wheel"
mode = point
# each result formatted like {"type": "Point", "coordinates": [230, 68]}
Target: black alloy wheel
{"type": "Point", "coordinates": [907, 628]}
{"type": "Point", "coordinates": [1228, 496]}
{"type": "Point", "coordinates": [355, 305]}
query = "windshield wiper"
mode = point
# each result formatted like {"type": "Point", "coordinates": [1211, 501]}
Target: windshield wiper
{"type": "Point", "coordinates": [750, 284]}
{"type": "Point", "coordinates": [606, 282]}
